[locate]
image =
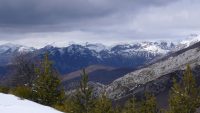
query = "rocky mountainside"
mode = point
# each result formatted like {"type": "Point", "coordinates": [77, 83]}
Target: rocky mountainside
{"type": "Point", "coordinates": [157, 77]}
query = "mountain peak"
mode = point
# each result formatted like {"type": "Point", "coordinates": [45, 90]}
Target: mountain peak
{"type": "Point", "coordinates": [190, 40]}
{"type": "Point", "coordinates": [10, 47]}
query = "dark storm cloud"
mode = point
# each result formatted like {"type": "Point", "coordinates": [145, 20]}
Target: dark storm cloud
{"type": "Point", "coordinates": [106, 21]}
{"type": "Point", "coordinates": [28, 12]}
{"type": "Point", "coordinates": [46, 12]}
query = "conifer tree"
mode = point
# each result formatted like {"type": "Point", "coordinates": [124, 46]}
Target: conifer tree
{"type": "Point", "coordinates": [67, 106]}
{"type": "Point", "coordinates": [84, 101]}
{"type": "Point", "coordinates": [47, 88]}
{"type": "Point", "coordinates": [149, 105]}
{"type": "Point", "coordinates": [184, 96]}
{"type": "Point", "coordinates": [130, 106]}
{"type": "Point", "coordinates": [118, 109]}
{"type": "Point", "coordinates": [103, 105]}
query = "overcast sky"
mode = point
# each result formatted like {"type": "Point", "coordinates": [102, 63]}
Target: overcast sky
{"type": "Point", "coordinates": [40, 22]}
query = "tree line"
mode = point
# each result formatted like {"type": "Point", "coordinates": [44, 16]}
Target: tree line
{"type": "Point", "coordinates": [41, 83]}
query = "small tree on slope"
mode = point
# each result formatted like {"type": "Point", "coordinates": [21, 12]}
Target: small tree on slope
{"type": "Point", "coordinates": [84, 102]}
{"type": "Point", "coordinates": [46, 88]}
{"type": "Point", "coordinates": [149, 105]}
{"type": "Point", "coordinates": [131, 107]}
{"type": "Point", "coordinates": [184, 97]}
{"type": "Point", "coordinates": [103, 105]}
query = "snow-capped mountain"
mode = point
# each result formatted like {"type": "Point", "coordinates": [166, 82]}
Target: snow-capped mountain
{"type": "Point", "coordinates": [150, 47]}
{"type": "Point", "coordinates": [8, 51]}
{"type": "Point", "coordinates": [190, 40]}
{"type": "Point", "coordinates": [11, 48]}
{"type": "Point", "coordinates": [77, 56]}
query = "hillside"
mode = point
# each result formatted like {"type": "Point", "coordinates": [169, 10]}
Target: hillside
{"type": "Point", "coordinates": [88, 69]}
{"type": "Point", "coordinates": [97, 73]}
{"type": "Point", "coordinates": [157, 77]}
{"type": "Point", "coordinates": [13, 104]}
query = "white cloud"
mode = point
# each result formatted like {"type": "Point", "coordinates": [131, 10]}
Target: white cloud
{"type": "Point", "coordinates": [61, 39]}
{"type": "Point", "coordinates": [178, 19]}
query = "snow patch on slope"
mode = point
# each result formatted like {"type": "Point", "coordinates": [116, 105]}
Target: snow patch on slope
{"type": "Point", "coordinates": [96, 47]}
{"type": "Point", "coordinates": [156, 47]}
{"type": "Point", "coordinates": [25, 49]}
{"type": "Point", "coordinates": [13, 104]}
{"type": "Point", "coordinates": [153, 48]}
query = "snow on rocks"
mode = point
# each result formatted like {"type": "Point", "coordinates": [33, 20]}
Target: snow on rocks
{"type": "Point", "coordinates": [152, 72]}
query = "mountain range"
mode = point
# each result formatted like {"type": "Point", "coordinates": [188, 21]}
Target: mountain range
{"type": "Point", "coordinates": [108, 62]}
{"type": "Point", "coordinates": [75, 56]}
{"type": "Point", "coordinates": [119, 55]}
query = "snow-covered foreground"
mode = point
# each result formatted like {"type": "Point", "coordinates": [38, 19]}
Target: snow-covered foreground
{"type": "Point", "coordinates": [13, 104]}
